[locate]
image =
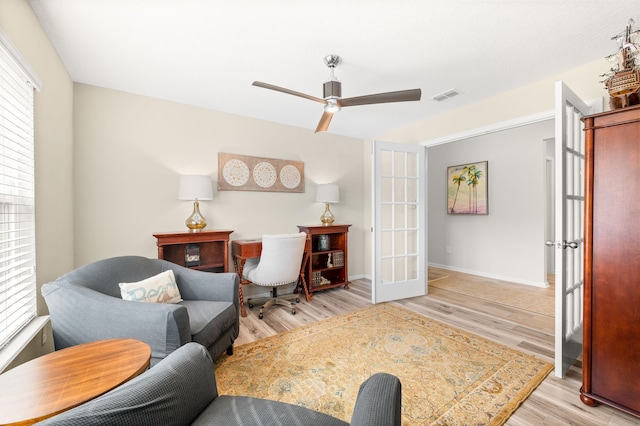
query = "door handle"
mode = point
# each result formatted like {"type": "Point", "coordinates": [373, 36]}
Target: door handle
{"type": "Point", "coordinates": [572, 244]}
{"type": "Point", "coordinates": [562, 244]}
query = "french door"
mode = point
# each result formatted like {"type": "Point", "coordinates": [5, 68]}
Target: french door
{"type": "Point", "coordinates": [569, 226]}
{"type": "Point", "coordinates": [399, 221]}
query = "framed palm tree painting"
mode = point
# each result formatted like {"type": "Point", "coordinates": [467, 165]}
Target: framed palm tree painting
{"type": "Point", "coordinates": [467, 188]}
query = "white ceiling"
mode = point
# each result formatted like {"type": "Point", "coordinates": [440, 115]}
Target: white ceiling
{"type": "Point", "coordinates": [207, 53]}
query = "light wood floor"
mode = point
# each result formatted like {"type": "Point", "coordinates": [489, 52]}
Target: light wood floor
{"type": "Point", "coordinates": [554, 402]}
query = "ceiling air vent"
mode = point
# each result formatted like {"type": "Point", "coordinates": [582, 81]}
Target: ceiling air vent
{"type": "Point", "coordinates": [446, 95]}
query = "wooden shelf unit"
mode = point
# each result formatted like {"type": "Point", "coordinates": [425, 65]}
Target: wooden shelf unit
{"type": "Point", "coordinates": [214, 248]}
{"type": "Point", "coordinates": [338, 275]}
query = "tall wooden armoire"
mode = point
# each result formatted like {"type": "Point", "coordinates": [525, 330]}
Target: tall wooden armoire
{"type": "Point", "coordinates": [611, 346]}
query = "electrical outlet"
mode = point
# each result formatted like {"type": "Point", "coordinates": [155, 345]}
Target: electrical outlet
{"type": "Point", "coordinates": [448, 250]}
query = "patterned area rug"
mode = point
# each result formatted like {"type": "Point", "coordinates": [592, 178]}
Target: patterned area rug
{"type": "Point", "coordinates": [449, 377]}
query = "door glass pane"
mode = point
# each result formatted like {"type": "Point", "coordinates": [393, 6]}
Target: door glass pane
{"type": "Point", "coordinates": [412, 267]}
{"type": "Point", "coordinates": [399, 246]}
{"type": "Point", "coordinates": [399, 190]}
{"type": "Point", "coordinates": [412, 164]}
{"type": "Point", "coordinates": [577, 312]}
{"type": "Point", "coordinates": [387, 270]}
{"type": "Point", "coordinates": [386, 163]}
{"type": "Point", "coordinates": [412, 190]}
{"type": "Point", "coordinates": [386, 190]}
{"type": "Point", "coordinates": [386, 217]}
{"type": "Point", "coordinates": [569, 308]}
{"type": "Point", "coordinates": [399, 216]}
{"type": "Point", "coordinates": [571, 271]}
{"type": "Point", "coordinates": [412, 242]}
{"type": "Point", "coordinates": [387, 243]}
{"type": "Point", "coordinates": [577, 267]}
{"type": "Point", "coordinates": [569, 216]}
{"type": "Point", "coordinates": [399, 166]}
{"type": "Point", "coordinates": [578, 218]}
{"type": "Point", "coordinates": [400, 272]}
{"type": "Point", "coordinates": [412, 216]}
{"type": "Point", "coordinates": [568, 110]}
{"type": "Point", "coordinates": [569, 173]}
{"type": "Point", "coordinates": [577, 169]}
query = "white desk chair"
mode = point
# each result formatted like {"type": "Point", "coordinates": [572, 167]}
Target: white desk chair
{"type": "Point", "coordinates": [279, 264]}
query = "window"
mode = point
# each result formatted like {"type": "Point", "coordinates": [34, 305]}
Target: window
{"type": "Point", "coordinates": [17, 196]}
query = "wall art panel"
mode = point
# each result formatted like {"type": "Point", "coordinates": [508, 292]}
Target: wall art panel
{"type": "Point", "coordinates": [246, 173]}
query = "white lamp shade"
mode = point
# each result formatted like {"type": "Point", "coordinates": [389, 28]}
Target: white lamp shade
{"type": "Point", "coordinates": [195, 187]}
{"type": "Point", "coordinates": [328, 193]}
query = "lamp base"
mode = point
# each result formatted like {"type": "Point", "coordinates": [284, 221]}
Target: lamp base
{"type": "Point", "coordinates": [196, 222]}
{"type": "Point", "coordinates": [327, 217]}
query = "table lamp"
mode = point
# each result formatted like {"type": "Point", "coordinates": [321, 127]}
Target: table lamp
{"type": "Point", "coordinates": [195, 188]}
{"type": "Point", "coordinates": [327, 193]}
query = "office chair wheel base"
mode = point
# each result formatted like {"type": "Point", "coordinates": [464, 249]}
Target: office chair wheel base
{"type": "Point", "coordinates": [250, 305]}
{"type": "Point", "coordinates": [297, 300]}
{"type": "Point", "coordinates": [260, 316]}
{"type": "Point", "coordinates": [293, 311]}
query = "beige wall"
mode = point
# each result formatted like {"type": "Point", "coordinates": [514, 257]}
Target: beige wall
{"type": "Point", "coordinates": [130, 150]}
{"type": "Point", "coordinates": [53, 150]}
{"type": "Point", "coordinates": [524, 101]}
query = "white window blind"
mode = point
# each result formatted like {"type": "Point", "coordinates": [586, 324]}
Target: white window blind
{"type": "Point", "coordinates": [17, 199]}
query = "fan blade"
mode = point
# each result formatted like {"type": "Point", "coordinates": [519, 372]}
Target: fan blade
{"type": "Point", "coordinates": [290, 92]}
{"type": "Point", "coordinates": [380, 98]}
{"type": "Point", "coordinates": [323, 125]}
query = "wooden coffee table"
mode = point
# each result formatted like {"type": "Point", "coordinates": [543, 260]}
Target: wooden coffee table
{"type": "Point", "coordinates": [64, 379]}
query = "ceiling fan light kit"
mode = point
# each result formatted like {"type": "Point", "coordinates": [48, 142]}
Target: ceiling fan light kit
{"type": "Point", "coordinates": [332, 95]}
{"type": "Point", "coordinates": [332, 105]}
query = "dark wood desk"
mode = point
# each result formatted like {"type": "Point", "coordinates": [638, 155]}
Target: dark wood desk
{"type": "Point", "coordinates": [250, 249]}
{"type": "Point", "coordinates": [243, 250]}
{"type": "Point", "coordinates": [64, 379]}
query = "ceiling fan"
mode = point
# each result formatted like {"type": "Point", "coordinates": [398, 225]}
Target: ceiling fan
{"type": "Point", "coordinates": [332, 92]}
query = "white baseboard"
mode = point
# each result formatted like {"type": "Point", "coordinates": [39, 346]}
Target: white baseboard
{"type": "Point", "coordinates": [543, 284]}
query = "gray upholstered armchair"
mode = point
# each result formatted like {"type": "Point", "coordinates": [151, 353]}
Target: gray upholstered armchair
{"type": "Point", "coordinates": [86, 305]}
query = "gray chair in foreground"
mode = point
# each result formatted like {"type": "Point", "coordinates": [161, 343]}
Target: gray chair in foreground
{"type": "Point", "coordinates": [86, 305]}
{"type": "Point", "coordinates": [182, 390]}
